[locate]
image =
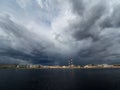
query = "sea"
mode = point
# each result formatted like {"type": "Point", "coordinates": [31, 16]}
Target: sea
{"type": "Point", "coordinates": [59, 79]}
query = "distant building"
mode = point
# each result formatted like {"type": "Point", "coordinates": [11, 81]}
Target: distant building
{"type": "Point", "coordinates": [35, 66]}
{"type": "Point", "coordinates": [90, 66]}
{"type": "Point", "coordinates": [107, 66]}
{"type": "Point", "coordinates": [78, 66]}
{"type": "Point", "coordinates": [8, 65]}
{"type": "Point", "coordinates": [21, 66]}
{"type": "Point", "coordinates": [63, 66]}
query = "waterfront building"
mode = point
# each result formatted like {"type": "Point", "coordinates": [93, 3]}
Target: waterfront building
{"type": "Point", "coordinates": [8, 65]}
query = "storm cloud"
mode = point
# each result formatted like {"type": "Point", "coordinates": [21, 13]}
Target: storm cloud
{"type": "Point", "coordinates": [53, 31]}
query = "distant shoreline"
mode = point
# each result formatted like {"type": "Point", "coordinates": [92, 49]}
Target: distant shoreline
{"type": "Point", "coordinates": [36, 66]}
{"type": "Point", "coordinates": [55, 68]}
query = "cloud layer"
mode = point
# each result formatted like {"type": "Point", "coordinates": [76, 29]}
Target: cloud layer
{"type": "Point", "coordinates": [52, 31]}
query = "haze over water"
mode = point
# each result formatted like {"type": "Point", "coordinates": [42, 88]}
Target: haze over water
{"type": "Point", "coordinates": [60, 79]}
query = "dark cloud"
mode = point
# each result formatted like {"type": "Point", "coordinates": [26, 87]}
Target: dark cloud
{"type": "Point", "coordinates": [86, 25]}
{"type": "Point", "coordinates": [18, 43]}
{"type": "Point", "coordinates": [86, 30]}
{"type": "Point", "coordinates": [99, 21]}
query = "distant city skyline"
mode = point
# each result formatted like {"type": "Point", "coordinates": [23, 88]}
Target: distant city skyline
{"type": "Point", "coordinates": [50, 32]}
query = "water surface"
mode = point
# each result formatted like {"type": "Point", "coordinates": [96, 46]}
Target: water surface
{"type": "Point", "coordinates": [60, 79]}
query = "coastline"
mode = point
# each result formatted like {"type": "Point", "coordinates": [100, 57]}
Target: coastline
{"type": "Point", "coordinates": [56, 68]}
{"type": "Point", "coordinates": [37, 66]}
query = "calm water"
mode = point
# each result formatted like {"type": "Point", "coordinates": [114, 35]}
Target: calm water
{"type": "Point", "coordinates": [60, 79]}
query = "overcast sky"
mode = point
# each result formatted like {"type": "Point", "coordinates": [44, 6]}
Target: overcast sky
{"type": "Point", "coordinates": [50, 32]}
